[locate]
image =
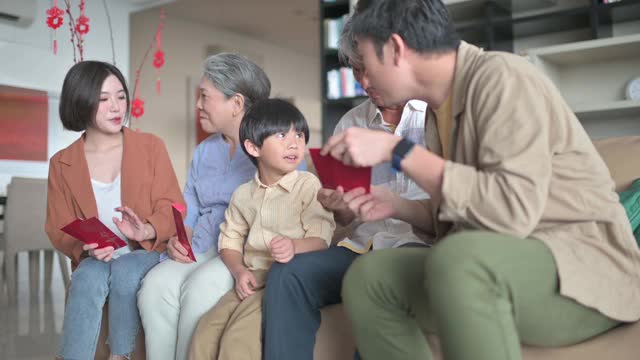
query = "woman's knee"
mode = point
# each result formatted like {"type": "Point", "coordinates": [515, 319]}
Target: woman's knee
{"type": "Point", "coordinates": [213, 279]}
{"type": "Point", "coordinates": [128, 272]}
{"type": "Point", "coordinates": [152, 287]}
{"type": "Point", "coordinates": [91, 279]}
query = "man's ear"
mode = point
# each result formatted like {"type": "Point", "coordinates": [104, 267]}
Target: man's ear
{"type": "Point", "coordinates": [398, 48]}
{"type": "Point", "coordinates": [252, 149]}
{"type": "Point", "coordinates": [238, 104]}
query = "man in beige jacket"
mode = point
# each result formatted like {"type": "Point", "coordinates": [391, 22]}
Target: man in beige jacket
{"type": "Point", "coordinates": [534, 246]}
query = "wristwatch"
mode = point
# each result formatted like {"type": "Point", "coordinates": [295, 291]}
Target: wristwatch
{"type": "Point", "coordinates": [399, 152]}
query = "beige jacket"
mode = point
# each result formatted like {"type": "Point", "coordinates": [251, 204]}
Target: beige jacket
{"type": "Point", "coordinates": [523, 165]}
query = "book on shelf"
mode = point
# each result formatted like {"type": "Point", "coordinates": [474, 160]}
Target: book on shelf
{"type": "Point", "coordinates": [332, 31]}
{"type": "Point", "coordinates": [341, 83]}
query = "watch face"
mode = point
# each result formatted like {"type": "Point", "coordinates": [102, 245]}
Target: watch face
{"type": "Point", "coordinates": [633, 89]}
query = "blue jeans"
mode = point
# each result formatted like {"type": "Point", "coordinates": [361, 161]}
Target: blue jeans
{"type": "Point", "coordinates": [93, 282]}
{"type": "Point", "coordinates": [294, 294]}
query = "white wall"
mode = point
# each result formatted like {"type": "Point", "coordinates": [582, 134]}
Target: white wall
{"type": "Point", "coordinates": [185, 43]}
{"type": "Point", "coordinates": [27, 60]}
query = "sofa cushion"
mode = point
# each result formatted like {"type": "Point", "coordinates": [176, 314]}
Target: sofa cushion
{"type": "Point", "coordinates": [621, 154]}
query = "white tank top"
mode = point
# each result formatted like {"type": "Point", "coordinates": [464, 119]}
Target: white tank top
{"type": "Point", "coordinates": [107, 199]}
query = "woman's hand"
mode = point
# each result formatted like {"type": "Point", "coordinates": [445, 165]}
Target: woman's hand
{"type": "Point", "coordinates": [361, 147]}
{"type": "Point", "coordinates": [132, 227]}
{"type": "Point", "coordinates": [245, 283]}
{"type": "Point", "coordinates": [104, 254]}
{"type": "Point", "coordinates": [379, 204]}
{"type": "Point", "coordinates": [177, 252]}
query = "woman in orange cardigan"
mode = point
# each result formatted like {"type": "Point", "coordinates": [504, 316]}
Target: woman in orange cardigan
{"type": "Point", "coordinates": [126, 180]}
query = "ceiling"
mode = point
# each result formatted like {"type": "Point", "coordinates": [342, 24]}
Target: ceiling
{"type": "Point", "coordinates": [293, 24]}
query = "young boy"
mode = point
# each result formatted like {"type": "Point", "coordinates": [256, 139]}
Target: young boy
{"type": "Point", "coordinates": [271, 218]}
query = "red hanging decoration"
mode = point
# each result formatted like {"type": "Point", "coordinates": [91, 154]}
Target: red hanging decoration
{"type": "Point", "coordinates": [137, 105]}
{"type": "Point", "coordinates": [137, 108]}
{"type": "Point", "coordinates": [158, 57]}
{"type": "Point", "coordinates": [54, 21]}
{"type": "Point", "coordinates": [82, 27]}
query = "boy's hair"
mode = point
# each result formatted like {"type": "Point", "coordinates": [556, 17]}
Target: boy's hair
{"type": "Point", "coordinates": [267, 117]}
{"type": "Point", "coordinates": [424, 25]}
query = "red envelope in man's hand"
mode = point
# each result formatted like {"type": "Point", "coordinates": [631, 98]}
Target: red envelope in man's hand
{"type": "Point", "coordinates": [178, 209]}
{"type": "Point", "coordinates": [93, 231]}
{"type": "Point", "coordinates": [333, 173]}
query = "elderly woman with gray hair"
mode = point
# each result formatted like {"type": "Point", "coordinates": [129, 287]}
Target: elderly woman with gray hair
{"type": "Point", "coordinates": [177, 292]}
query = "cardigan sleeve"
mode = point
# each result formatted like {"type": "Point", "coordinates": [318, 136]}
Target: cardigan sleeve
{"type": "Point", "coordinates": [58, 215]}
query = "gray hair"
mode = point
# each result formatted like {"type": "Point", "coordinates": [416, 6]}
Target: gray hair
{"type": "Point", "coordinates": [348, 46]}
{"type": "Point", "coordinates": [234, 74]}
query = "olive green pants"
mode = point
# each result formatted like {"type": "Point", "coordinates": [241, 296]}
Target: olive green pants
{"type": "Point", "coordinates": [483, 293]}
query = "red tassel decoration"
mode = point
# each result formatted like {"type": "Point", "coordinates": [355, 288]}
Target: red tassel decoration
{"type": "Point", "coordinates": [54, 21]}
{"type": "Point", "coordinates": [158, 57]}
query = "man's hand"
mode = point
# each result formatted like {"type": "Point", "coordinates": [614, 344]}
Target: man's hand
{"type": "Point", "coordinates": [104, 254]}
{"type": "Point", "coordinates": [282, 249]}
{"type": "Point", "coordinates": [361, 147]}
{"type": "Point", "coordinates": [379, 204]}
{"type": "Point", "coordinates": [245, 283]}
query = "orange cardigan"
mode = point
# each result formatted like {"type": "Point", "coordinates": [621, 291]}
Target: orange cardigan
{"type": "Point", "coordinates": [149, 187]}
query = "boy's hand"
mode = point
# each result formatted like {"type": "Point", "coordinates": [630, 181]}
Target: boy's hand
{"type": "Point", "coordinates": [282, 249]}
{"type": "Point", "coordinates": [379, 204]}
{"type": "Point", "coordinates": [332, 200]}
{"type": "Point", "coordinates": [104, 254]}
{"type": "Point", "coordinates": [245, 283]}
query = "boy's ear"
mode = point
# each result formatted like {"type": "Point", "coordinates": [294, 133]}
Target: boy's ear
{"type": "Point", "coordinates": [252, 149]}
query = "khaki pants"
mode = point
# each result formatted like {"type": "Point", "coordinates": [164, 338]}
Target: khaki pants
{"type": "Point", "coordinates": [231, 330]}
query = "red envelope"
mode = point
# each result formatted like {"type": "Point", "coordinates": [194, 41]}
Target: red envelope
{"type": "Point", "coordinates": [333, 173]}
{"type": "Point", "coordinates": [178, 209]}
{"type": "Point", "coordinates": [93, 231]}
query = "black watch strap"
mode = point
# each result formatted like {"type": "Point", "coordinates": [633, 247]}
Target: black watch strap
{"type": "Point", "coordinates": [399, 152]}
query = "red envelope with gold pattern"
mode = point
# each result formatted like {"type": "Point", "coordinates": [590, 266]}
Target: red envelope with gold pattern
{"type": "Point", "coordinates": [93, 231]}
{"type": "Point", "coordinates": [333, 173]}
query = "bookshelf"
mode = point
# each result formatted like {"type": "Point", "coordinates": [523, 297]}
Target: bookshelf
{"type": "Point", "coordinates": [592, 75]}
{"type": "Point", "coordinates": [575, 42]}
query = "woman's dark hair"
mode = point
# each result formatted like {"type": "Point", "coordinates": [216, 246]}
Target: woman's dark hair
{"type": "Point", "coordinates": [80, 94]}
{"type": "Point", "coordinates": [267, 117]}
{"type": "Point", "coordinates": [424, 25]}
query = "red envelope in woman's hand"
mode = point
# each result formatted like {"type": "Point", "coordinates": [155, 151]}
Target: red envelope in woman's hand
{"type": "Point", "coordinates": [93, 231]}
{"type": "Point", "coordinates": [333, 173]}
{"type": "Point", "coordinates": [178, 209]}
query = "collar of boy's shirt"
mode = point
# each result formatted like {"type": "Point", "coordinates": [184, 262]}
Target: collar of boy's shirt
{"type": "Point", "coordinates": [374, 113]}
{"type": "Point", "coordinates": [286, 182]}
{"type": "Point", "coordinates": [444, 119]}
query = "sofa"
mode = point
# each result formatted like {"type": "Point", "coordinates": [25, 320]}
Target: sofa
{"type": "Point", "coordinates": [335, 340]}
{"type": "Point", "coordinates": [622, 155]}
